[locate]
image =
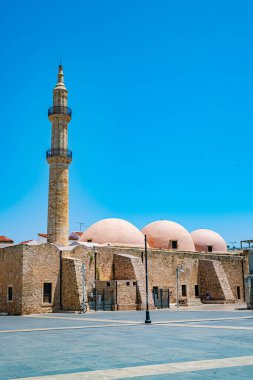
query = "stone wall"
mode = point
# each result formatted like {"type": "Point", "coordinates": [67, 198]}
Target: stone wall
{"type": "Point", "coordinates": [41, 264]}
{"type": "Point", "coordinates": [86, 256]}
{"type": "Point", "coordinates": [11, 269]}
{"type": "Point", "coordinates": [27, 268]}
{"type": "Point", "coordinates": [71, 284]}
{"type": "Point", "coordinates": [127, 295]}
{"type": "Point", "coordinates": [129, 266]}
{"type": "Point", "coordinates": [233, 267]}
{"type": "Point", "coordinates": [117, 295]}
{"type": "Point", "coordinates": [162, 266]}
{"type": "Point", "coordinates": [213, 282]}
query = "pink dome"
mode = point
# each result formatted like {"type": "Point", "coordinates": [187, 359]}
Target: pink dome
{"type": "Point", "coordinates": [168, 235]}
{"type": "Point", "coordinates": [114, 232]}
{"type": "Point", "coordinates": [208, 241]}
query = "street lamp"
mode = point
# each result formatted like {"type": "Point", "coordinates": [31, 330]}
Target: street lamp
{"type": "Point", "coordinates": [179, 269]}
{"type": "Point", "coordinates": [147, 320]}
{"type": "Point", "coordinates": [83, 306]}
{"type": "Point", "coordinates": [95, 277]}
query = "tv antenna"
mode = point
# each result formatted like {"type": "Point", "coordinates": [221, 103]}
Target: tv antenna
{"type": "Point", "coordinates": [80, 225]}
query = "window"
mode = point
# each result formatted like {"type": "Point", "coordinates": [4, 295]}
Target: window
{"type": "Point", "coordinates": [128, 283]}
{"type": "Point", "coordinates": [174, 244]}
{"type": "Point", "coordinates": [89, 240]}
{"type": "Point", "coordinates": [209, 248]}
{"type": "Point", "coordinates": [238, 292]}
{"type": "Point", "coordinates": [196, 291]}
{"type": "Point", "coordinates": [134, 283]}
{"type": "Point", "coordinates": [10, 293]}
{"type": "Point", "coordinates": [47, 292]}
{"type": "Point", "coordinates": [108, 284]}
{"type": "Point", "coordinates": [184, 291]}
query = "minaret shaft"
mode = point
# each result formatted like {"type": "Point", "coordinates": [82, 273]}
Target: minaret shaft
{"type": "Point", "coordinates": [59, 158]}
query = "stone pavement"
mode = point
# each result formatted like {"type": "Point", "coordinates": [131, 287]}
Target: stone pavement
{"type": "Point", "coordinates": [208, 342]}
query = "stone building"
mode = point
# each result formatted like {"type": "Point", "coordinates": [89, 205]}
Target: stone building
{"type": "Point", "coordinates": [46, 275]}
{"type": "Point", "coordinates": [47, 278]}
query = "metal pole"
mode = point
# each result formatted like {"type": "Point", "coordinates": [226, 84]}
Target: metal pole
{"type": "Point", "coordinates": [147, 320]}
{"type": "Point", "coordinates": [83, 285]}
{"type": "Point", "coordinates": [177, 271]}
{"type": "Point", "coordinates": [95, 276]}
{"type": "Point", "coordinates": [60, 280]}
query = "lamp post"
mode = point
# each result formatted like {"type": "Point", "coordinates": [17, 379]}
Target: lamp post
{"type": "Point", "coordinates": [179, 269]}
{"type": "Point", "coordinates": [83, 306]}
{"type": "Point", "coordinates": [95, 277]}
{"type": "Point", "coordinates": [147, 320]}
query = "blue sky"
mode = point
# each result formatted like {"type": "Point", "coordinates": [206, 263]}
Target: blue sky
{"type": "Point", "coordinates": [161, 93]}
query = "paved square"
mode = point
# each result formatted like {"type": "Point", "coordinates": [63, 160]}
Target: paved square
{"type": "Point", "coordinates": [207, 342]}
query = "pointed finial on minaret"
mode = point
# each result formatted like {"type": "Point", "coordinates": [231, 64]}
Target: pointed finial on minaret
{"type": "Point", "coordinates": [60, 74]}
{"type": "Point", "coordinates": [60, 80]}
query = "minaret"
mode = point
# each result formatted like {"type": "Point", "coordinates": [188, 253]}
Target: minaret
{"type": "Point", "coordinates": [59, 158]}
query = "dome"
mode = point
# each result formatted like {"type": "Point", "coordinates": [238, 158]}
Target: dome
{"type": "Point", "coordinates": [208, 241]}
{"type": "Point", "coordinates": [114, 232]}
{"type": "Point", "coordinates": [165, 234]}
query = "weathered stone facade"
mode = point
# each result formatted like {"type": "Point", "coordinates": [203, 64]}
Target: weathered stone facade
{"type": "Point", "coordinates": [32, 270]}
{"type": "Point", "coordinates": [11, 270]}
{"type": "Point", "coordinates": [131, 267]}
{"type": "Point", "coordinates": [59, 159]}
{"type": "Point", "coordinates": [71, 284]}
{"type": "Point", "coordinates": [213, 281]}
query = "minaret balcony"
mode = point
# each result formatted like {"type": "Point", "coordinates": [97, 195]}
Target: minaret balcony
{"type": "Point", "coordinates": [59, 153]}
{"type": "Point", "coordinates": [59, 110]}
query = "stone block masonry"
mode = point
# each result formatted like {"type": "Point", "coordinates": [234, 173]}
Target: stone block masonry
{"type": "Point", "coordinates": [213, 281]}
{"type": "Point", "coordinates": [59, 159]}
{"type": "Point", "coordinates": [41, 265]}
{"type": "Point", "coordinates": [58, 201]}
{"type": "Point", "coordinates": [28, 268]}
{"type": "Point", "coordinates": [71, 284]}
{"type": "Point", "coordinates": [128, 266]}
{"type": "Point", "coordinates": [11, 269]}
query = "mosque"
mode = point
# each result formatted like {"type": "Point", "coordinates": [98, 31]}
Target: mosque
{"type": "Point", "coordinates": [47, 276]}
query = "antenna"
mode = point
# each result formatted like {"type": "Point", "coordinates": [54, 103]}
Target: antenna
{"type": "Point", "coordinates": [80, 225]}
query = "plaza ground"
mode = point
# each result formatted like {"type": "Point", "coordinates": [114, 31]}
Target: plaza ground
{"type": "Point", "coordinates": [204, 342]}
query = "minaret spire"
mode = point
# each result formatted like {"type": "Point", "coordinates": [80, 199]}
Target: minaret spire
{"type": "Point", "coordinates": [59, 157]}
{"type": "Point", "coordinates": [60, 78]}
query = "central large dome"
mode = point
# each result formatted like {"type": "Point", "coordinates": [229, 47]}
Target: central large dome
{"type": "Point", "coordinates": [165, 234]}
{"type": "Point", "coordinates": [114, 232]}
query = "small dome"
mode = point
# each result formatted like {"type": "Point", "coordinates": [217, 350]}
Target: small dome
{"type": "Point", "coordinates": [208, 241]}
{"type": "Point", "coordinates": [165, 234]}
{"type": "Point", "coordinates": [114, 232]}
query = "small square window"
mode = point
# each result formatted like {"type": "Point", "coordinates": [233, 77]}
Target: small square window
{"type": "Point", "coordinates": [10, 293]}
{"type": "Point", "coordinates": [174, 244]}
{"type": "Point", "coordinates": [89, 240]}
{"type": "Point", "coordinates": [209, 248]}
{"type": "Point", "coordinates": [134, 283]}
{"type": "Point", "coordinates": [108, 284]}
{"type": "Point", "coordinates": [47, 292]}
{"type": "Point", "coordinates": [127, 283]}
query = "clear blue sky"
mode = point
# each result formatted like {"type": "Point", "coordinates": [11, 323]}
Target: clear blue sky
{"type": "Point", "coordinates": [162, 100]}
